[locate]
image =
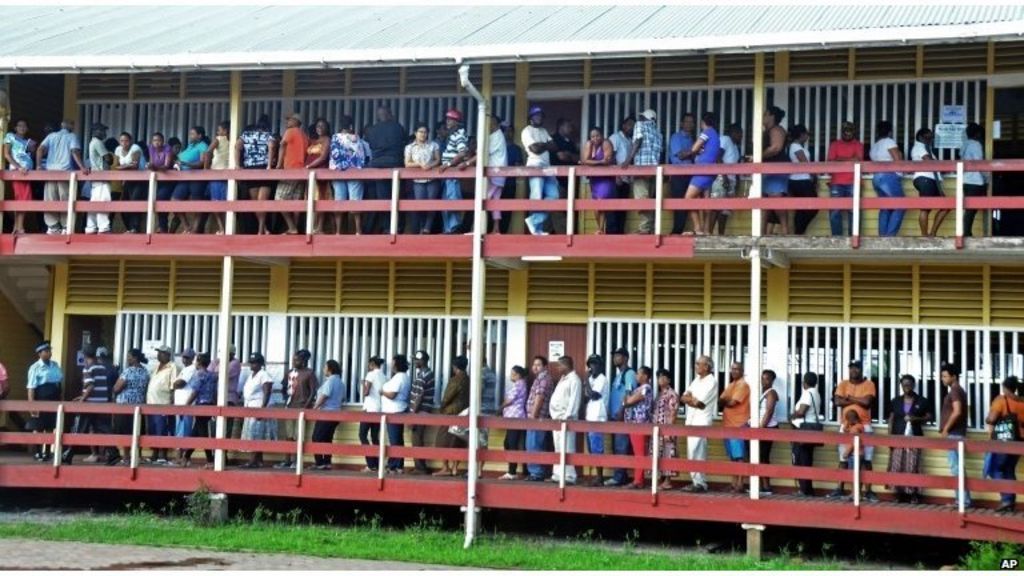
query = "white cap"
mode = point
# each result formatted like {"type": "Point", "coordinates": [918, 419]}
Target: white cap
{"type": "Point", "coordinates": [650, 114]}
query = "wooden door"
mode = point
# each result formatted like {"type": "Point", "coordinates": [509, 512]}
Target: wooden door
{"type": "Point", "coordinates": [571, 339]}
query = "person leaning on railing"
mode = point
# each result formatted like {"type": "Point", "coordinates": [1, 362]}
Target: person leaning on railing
{"type": "Point", "coordinates": [128, 157]}
{"type": "Point", "coordinates": [598, 151]}
{"type": "Point", "coordinates": [347, 152]}
{"type": "Point", "coordinates": [217, 157]}
{"type": "Point", "coordinates": [425, 154]}
{"type": "Point", "coordinates": [255, 150]}
{"type": "Point", "coordinates": [62, 151]}
{"type": "Point", "coordinates": [887, 184]}
{"type": "Point", "coordinates": [18, 150]}
{"type": "Point", "coordinates": [317, 154]}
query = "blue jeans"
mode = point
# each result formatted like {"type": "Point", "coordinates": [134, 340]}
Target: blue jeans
{"type": "Point", "coordinates": [542, 188]}
{"type": "Point", "coordinates": [347, 189]}
{"type": "Point", "coordinates": [1004, 467]}
{"type": "Point", "coordinates": [620, 447]}
{"type": "Point", "coordinates": [888, 185]}
{"type": "Point", "coordinates": [595, 442]}
{"type": "Point", "coordinates": [396, 437]}
{"type": "Point", "coordinates": [423, 222]}
{"type": "Point", "coordinates": [954, 469]}
{"type": "Point", "coordinates": [535, 443]}
{"type": "Point", "coordinates": [163, 192]}
{"type": "Point", "coordinates": [835, 217]}
{"type": "Point", "coordinates": [183, 426]}
{"type": "Point", "coordinates": [452, 191]}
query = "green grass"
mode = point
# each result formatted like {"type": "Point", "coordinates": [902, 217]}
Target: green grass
{"type": "Point", "coordinates": [367, 539]}
{"type": "Point", "coordinates": [989, 555]}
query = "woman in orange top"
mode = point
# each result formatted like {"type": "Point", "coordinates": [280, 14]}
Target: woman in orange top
{"type": "Point", "coordinates": [317, 154]}
{"type": "Point", "coordinates": [1004, 466]}
{"type": "Point", "coordinates": [735, 401]}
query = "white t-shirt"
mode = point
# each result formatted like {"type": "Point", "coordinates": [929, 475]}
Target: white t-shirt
{"type": "Point", "coordinates": [125, 158]}
{"type": "Point", "coordinates": [810, 398]}
{"type": "Point", "coordinates": [794, 149]}
{"type": "Point", "coordinates": [497, 155]}
{"type": "Point", "coordinates": [917, 154]}
{"type": "Point", "coordinates": [371, 402]}
{"type": "Point", "coordinates": [181, 394]}
{"type": "Point", "coordinates": [252, 391]}
{"type": "Point", "coordinates": [597, 410]}
{"type": "Point", "coordinates": [704, 390]}
{"type": "Point", "coordinates": [880, 150]}
{"type": "Point", "coordinates": [730, 151]}
{"type": "Point", "coordinates": [532, 135]}
{"type": "Point", "coordinates": [972, 150]}
{"type": "Point", "coordinates": [96, 153]}
{"type": "Point", "coordinates": [401, 385]}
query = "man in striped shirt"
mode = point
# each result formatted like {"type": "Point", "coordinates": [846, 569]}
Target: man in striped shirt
{"type": "Point", "coordinates": [421, 401]}
{"type": "Point", "coordinates": [95, 390]}
{"type": "Point", "coordinates": [454, 154]}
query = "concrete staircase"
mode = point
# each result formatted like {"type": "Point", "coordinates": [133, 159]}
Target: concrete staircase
{"type": "Point", "coordinates": [26, 285]}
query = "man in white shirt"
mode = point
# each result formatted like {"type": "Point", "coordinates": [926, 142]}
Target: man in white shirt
{"type": "Point", "coordinates": [538, 144]}
{"type": "Point", "coordinates": [701, 400]}
{"type": "Point", "coordinates": [99, 160]}
{"type": "Point", "coordinates": [183, 424]}
{"type": "Point", "coordinates": [565, 406]}
{"type": "Point", "coordinates": [597, 394]}
{"type": "Point", "coordinates": [622, 141]}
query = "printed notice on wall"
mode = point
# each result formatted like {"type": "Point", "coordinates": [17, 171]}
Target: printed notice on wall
{"type": "Point", "coordinates": [953, 114]}
{"type": "Point", "coordinates": [949, 136]}
{"type": "Point", "coordinates": [556, 349]}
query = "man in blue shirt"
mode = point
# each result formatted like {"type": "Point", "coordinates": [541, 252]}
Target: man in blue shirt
{"type": "Point", "coordinates": [622, 385]}
{"type": "Point", "coordinates": [680, 152]}
{"type": "Point", "coordinates": [43, 384]}
{"type": "Point", "coordinates": [202, 388]}
{"type": "Point", "coordinates": [61, 150]}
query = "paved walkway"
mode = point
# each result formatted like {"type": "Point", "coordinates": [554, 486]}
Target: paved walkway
{"type": "Point", "coordinates": [20, 554]}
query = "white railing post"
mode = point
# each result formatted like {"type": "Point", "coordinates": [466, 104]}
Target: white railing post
{"type": "Point", "coordinates": [151, 205]}
{"type": "Point", "coordinates": [396, 187]}
{"type": "Point", "coordinates": [855, 224]}
{"type": "Point", "coordinates": [311, 194]}
{"type": "Point", "coordinates": [561, 457]}
{"type": "Point", "coordinates": [659, 196]}
{"type": "Point", "coordinates": [960, 200]}
{"type": "Point", "coordinates": [58, 437]}
{"type": "Point", "coordinates": [136, 432]}
{"type": "Point", "coordinates": [961, 479]}
{"type": "Point", "coordinates": [655, 451]}
{"type": "Point", "coordinates": [570, 211]}
{"type": "Point", "coordinates": [72, 196]}
{"type": "Point", "coordinates": [300, 436]}
{"type": "Point", "coordinates": [383, 435]}
{"type": "Point", "coordinates": [856, 470]}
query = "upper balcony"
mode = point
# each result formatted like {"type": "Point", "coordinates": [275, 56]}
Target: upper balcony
{"type": "Point", "coordinates": [392, 234]}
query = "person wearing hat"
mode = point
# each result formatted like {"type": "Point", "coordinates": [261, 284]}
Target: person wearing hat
{"type": "Point", "coordinates": [846, 149]}
{"type": "Point", "coordinates": [161, 393]}
{"type": "Point", "coordinates": [300, 384]}
{"type": "Point", "coordinates": [292, 156]}
{"type": "Point", "coordinates": [183, 423]}
{"type": "Point", "coordinates": [129, 390]}
{"type": "Point", "coordinates": [202, 391]}
{"type": "Point", "coordinates": [453, 403]}
{"type": "Point", "coordinates": [623, 384]}
{"type": "Point", "coordinates": [98, 191]}
{"type": "Point", "coordinates": [539, 145]}
{"type": "Point", "coordinates": [645, 150]}
{"type": "Point", "coordinates": [257, 393]}
{"type": "Point", "coordinates": [857, 394]}
{"type": "Point", "coordinates": [421, 401]}
{"type": "Point", "coordinates": [455, 152]}
{"type": "Point", "coordinates": [43, 384]}
{"type": "Point", "coordinates": [596, 393]}
{"type": "Point", "coordinates": [95, 390]}
{"type": "Point", "coordinates": [60, 150]}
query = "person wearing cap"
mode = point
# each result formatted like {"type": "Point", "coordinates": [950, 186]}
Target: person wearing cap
{"type": "Point", "coordinates": [539, 145]}
{"type": "Point", "coordinates": [623, 384]}
{"type": "Point", "coordinates": [160, 393]}
{"type": "Point", "coordinates": [60, 150]}
{"type": "Point", "coordinates": [369, 430]}
{"type": "Point", "coordinates": [394, 399]}
{"type": "Point", "coordinates": [846, 149]}
{"type": "Point", "coordinates": [425, 154]}
{"type": "Point", "coordinates": [18, 149]}
{"type": "Point", "coordinates": [454, 402]}
{"type": "Point", "coordinates": [301, 385]}
{"type": "Point", "coordinates": [43, 384]}
{"type": "Point", "coordinates": [183, 423]}
{"type": "Point", "coordinates": [130, 390]}
{"type": "Point", "coordinates": [292, 156]}
{"type": "Point", "coordinates": [387, 140]}
{"type": "Point", "coordinates": [421, 401]}
{"type": "Point", "coordinates": [857, 394]}
{"type": "Point", "coordinates": [514, 407]}
{"type": "Point", "coordinates": [95, 390]}
{"type": "Point", "coordinates": [595, 391]}
{"type": "Point", "coordinates": [565, 406]}
{"type": "Point", "coordinates": [202, 391]}
{"type": "Point", "coordinates": [455, 152]}
{"type": "Point", "coordinates": [329, 397]}
{"type": "Point", "coordinates": [98, 191]}
{"type": "Point", "coordinates": [257, 392]}
{"type": "Point", "coordinates": [645, 150]}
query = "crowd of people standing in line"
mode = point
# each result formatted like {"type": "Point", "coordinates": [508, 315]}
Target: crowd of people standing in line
{"type": "Point", "coordinates": [387, 144]}
{"type": "Point", "coordinates": [551, 391]}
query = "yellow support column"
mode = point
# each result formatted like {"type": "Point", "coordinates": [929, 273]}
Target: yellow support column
{"type": "Point", "coordinates": [518, 285]}
{"type": "Point", "coordinates": [71, 99]}
{"type": "Point", "coordinates": [278, 288]}
{"type": "Point", "coordinates": [778, 294]}
{"type": "Point", "coordinates": [520, 120]}
{"type": "Point", "coordinates": [58, 319]}
{"type": "Point", "coordinates": [235, 119]}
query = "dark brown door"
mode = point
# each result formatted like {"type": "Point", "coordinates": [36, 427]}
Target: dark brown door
{"type": "Point", "coordinates": [82, 331]}
{"type": "Point", "coordinates": [548, 340]}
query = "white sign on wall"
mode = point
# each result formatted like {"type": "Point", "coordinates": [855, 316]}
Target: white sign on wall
{"type": "Point", "coordinates": [949, 136]}
{"type": "Point", "coordinates": [953, 114]}
{"type": "Point", "coordinates": [556, 349]}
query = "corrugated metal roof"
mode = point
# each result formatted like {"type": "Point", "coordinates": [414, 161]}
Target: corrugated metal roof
{"type": "Point", "coordinates": [105, 38]}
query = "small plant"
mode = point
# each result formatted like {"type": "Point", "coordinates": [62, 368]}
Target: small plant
{"type": "Point", "coordinates": [199, 506]}
{"type": "Point", "coordinates": [261, 515]}
{"type": "Point", "coordinates": [989, 555]}
{"type": "Point", "coordinates": [294, 516]}
{"type": "Point", "coordinates": [631, 539]}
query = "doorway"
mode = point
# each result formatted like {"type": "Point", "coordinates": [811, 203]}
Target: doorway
{"type": "Point", "coordinates": [554, 340]}
{"type": "Point", "coordinates": [570, 109]}
{"type": "Point", "coordinates": [83, 332]}
{"type": "Point", "coordinates": [1008, 143]}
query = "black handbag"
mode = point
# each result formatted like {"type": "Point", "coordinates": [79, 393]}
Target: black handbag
{"type": "Point", "coordinates": [813, 426]}
{"type": "Point", "coordinates": [1006, 428]}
